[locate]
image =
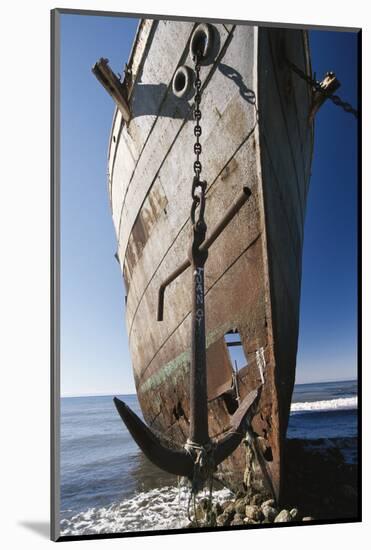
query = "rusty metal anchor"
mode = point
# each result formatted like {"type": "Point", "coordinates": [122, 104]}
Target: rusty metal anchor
{"type": "Point", "coordinates": [183, 461]}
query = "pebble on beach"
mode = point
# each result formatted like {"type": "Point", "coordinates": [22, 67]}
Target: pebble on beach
{"type": "Point", "coordinates": [254, 512]}
{"type": "Point", "coordinates": [283, 517]}
{"type": "Point", "coordinates": [294, 513]}
{"type": "Point", "coordinates": [238, 520]}
{"type": "Point", "coordinates": [243, 511]}
{"type": "Point", "coordinates": [324, 485]}
{"type": "Point", "coordinates": [269, 513]}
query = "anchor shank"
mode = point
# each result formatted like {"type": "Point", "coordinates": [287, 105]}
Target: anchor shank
{"type": "Point", "coordinates": [199, 432]}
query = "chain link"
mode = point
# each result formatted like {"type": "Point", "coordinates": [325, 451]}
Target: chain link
{"type": "Point", "coordinates": [198, 186]}
{"type": "Point", "coordinates": [318, 88]}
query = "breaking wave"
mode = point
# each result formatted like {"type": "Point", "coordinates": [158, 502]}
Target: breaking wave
{"type": "Point", "coordinates": [327, 405]}
{"type": "Point", "coordinates": [164, 508]}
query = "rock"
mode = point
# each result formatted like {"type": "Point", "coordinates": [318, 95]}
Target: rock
{"type": "Point", "coordinates": [240, 506]}
{"type": "Point", "coordinates": [270, 513]}
{"type": "Point", "coordinates": [199, 513]}
{"type": "Point", "coordinates": [248, 495]}
{"type": "Point", "coordinates": [230, 510]}
{"type": "Point", "coordinates": [253, 512]}
{"type": "Point", "coordinates": [269, 502]}
{"type": "Point", "coordinates": [226, 516]}
{"type": "Point", "coordinates": [237, 520]}
{"type": "Point", "coordinates": [308, 518]}
{"type": "Point", "coordinates": [294, 513]}
{"type": "Point", "coordinates": [283, 517]}
{"type": "Point", "coordinates": [224, 519]}
{"type": "Point", "coordinates": [226, 504]}
{"type": "Point", "coordinates": [218, 508]}
{"type": "Point", "coordinates": [257, 499]}
{"type": "Point", "coordinates": [202, 509]}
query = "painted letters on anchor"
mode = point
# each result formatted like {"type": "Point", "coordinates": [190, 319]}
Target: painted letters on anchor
{"type": "Point", "coordinates": [199, 294]}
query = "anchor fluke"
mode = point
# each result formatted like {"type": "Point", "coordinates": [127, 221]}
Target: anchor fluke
{"type": "Point", "coordinates": [177, 462]}
{"type": "Point", "coordinates": [232, 439]}
{"type": "Point", "coordinates": [180, 462]}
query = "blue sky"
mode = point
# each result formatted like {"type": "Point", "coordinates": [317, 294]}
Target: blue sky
{"type": "Point", "coordinates": [94, 348]}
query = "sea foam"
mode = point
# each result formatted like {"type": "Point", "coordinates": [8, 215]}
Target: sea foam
{"type": "Point", "coordinates": [326, 405]}
{"type": "Point", "coordinates": [157, 509]}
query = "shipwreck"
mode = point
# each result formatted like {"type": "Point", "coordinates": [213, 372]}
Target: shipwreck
{"type": "Point", "coordinates": [213, 346]}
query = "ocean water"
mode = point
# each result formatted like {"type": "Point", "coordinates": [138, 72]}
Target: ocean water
{"type": "Point", "coordinates": [107, 485]}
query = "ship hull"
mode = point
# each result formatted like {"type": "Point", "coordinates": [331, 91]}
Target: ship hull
{"type": "Point", "coordinates": [256, 133]}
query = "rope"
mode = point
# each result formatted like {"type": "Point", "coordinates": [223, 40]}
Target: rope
{"type": "Point", "coordinates": [252, 452]}
{"type": "Point", "coordinates": [194, 509]}
{"type": "Point", "coordinates": [188, 507]}
{"type": "Point", "coordinates": [260, 360]}
{"type": "Point", "coordinates": [204, 468]}
{"type": "Point", "coordinates": [235, 383]}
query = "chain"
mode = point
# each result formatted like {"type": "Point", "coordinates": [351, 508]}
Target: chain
{"type": "Point", "coordinates": [317, 86]}
{"type": "Point", "coordinates": [198, 197]}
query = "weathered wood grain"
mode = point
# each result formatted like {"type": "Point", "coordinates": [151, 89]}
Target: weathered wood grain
{"type": "Point", "coordinates": [113, 143]}
{"type": "Point", "coordinates": [164, 135]}
{"type": "Point", "coordinates": [136, 59]}
{"type": "Point", "coordinates": [138, 53]}
{"type": "Point", "coordinates": [171, 44]}
{"type": "Point", "coordinates": [221, 139]}
{"type": "Point", "coordinates": [286, 149]}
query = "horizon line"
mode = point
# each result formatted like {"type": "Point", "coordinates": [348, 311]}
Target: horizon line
{"type": "Point", "coordinates": [111, 394]}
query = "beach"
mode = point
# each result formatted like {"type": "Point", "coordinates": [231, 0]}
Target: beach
{"type": "Point", "coordinates": [108, 486]}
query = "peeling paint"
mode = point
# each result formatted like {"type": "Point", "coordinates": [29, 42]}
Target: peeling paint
{"type": "Point", "coordinates": [179, 365]}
